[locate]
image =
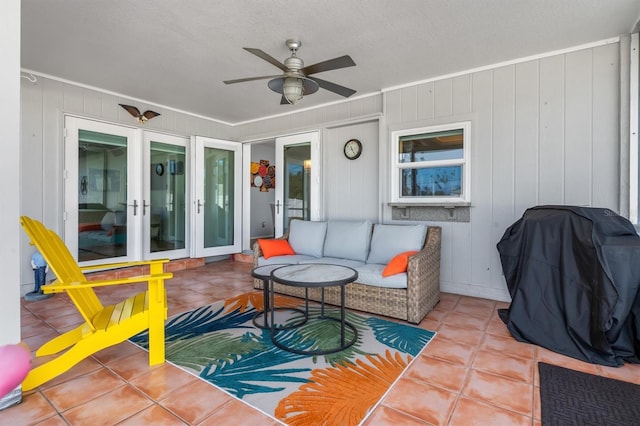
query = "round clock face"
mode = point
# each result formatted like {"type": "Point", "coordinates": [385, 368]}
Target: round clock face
{"type": "Point", "coordinates": [159, 169]}
{"type": "Point", "coordinates": [352, 149]}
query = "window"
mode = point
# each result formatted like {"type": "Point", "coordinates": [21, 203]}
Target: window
{"type": "Point", "coordinates": [431, 164]}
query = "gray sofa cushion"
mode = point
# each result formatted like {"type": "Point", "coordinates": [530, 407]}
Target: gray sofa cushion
{"type": "Point", "coordinates": [348, 239]}
{"type": "Point", "coordinates": [307, 237]}
{"type": "Point", "coordinates": [390, 240]}
{"type": "Point", "coordinates": [335, 261]}
{"type": "Point", "coordinates": [108, 220]}
{"type": "Point", "coordinates": [371, 274]}
{"type": "Point", "coordinates": [285, 259]}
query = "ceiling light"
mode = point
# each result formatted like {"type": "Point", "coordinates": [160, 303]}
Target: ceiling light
{"type": "Point", "coordinates": [293, 88]}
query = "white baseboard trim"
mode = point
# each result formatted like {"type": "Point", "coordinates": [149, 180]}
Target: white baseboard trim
{"type": "Point", "coordinates": [499, 294]}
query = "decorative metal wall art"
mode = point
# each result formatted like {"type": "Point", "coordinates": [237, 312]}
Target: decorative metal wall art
{"type": "Point", "coordinates": [263, 175]}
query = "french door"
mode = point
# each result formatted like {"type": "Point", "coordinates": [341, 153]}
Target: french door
{"type": "Point", "coordinates": [217, 200]}
{"type": "Point", "coordinates": [102, 196]}
{"type": "Point", "coordinates": [298, 180]}
{"type": "Point", "coordinates": [132, 194]}
{"type": "Point", "coordinates": [165, 203]}
{"type": "Point", "coordinates": [127, 193]}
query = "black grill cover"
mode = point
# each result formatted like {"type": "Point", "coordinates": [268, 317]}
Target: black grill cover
{"type": "Point", "coordinates": [574, 278]}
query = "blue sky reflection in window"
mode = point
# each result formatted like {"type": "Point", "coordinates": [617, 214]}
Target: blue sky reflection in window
{"type": "Point", "coordinates": [432, 181]}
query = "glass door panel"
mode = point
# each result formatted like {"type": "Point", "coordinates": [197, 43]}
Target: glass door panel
{"type": "Point", "coordinates": [218, 189]}
{"type": "Point", "coordinates": [297, 185]}
{"type": "Point", "coordinates": [165, 207]}
{"type": "Point", "coordinates": [217, 210]}
{"type": "Point", "coordinates": [100, 204]}
{"type": "Point", "coordinates": [298, 195]}
{"type": "Point", "coordinates": [102, 217]}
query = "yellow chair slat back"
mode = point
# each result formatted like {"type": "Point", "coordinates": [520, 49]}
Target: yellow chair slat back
{"type": "Point", "coordinates": [63, 266]}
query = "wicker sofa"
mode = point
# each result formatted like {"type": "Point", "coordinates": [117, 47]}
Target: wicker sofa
{"type": "Point", "coordinates": [407, 296]}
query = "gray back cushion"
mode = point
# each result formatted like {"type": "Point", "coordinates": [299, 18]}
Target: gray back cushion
{"type": "Point", "coordinates": [390, 240]}
{"type": "Point", "coordinates": [108, 220]}
{"type": "Point", "coordinates": [307, 237]}
{"type": "Point", "coordinates": [348, 239]}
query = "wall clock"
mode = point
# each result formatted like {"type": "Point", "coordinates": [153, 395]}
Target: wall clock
{"type": "Point", "coordinates": [159, 169]}
{"type": "Point", "coordinates": [352, 149]}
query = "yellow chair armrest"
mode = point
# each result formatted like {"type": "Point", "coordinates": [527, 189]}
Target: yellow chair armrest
{"type": "Point", "coordinates": [58, 288]}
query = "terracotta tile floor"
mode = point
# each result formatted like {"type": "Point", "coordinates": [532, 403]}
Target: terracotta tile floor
{"type": "Point", "coordinates": [473, 372]}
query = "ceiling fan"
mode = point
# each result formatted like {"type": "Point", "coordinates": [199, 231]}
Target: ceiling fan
{"type": "Point", "coordinates": [296, 81]}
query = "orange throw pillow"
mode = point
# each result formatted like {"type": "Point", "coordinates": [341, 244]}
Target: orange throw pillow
{"type": "Point", "coordinates": [272, 248]}
{"type": "Point", "coordinates": [89, 227]}
{"type": "Point", "coordinates": [398, 264]}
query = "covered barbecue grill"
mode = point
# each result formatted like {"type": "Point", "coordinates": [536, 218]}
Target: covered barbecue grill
{"type": "Point", "coordinates": [573, 274]}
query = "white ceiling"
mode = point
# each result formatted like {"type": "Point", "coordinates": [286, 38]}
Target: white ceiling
{"type": "Point", "coordinates": [176, 53]}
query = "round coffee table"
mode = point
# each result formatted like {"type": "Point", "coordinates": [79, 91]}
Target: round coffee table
{"type": "Point", "coordinates": [316, 275]}
{"type": "Point", "coordinates": [264, 273]}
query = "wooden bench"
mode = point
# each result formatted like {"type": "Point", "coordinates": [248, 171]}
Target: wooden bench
{"type": "Point", "coordinates": [104, 326]}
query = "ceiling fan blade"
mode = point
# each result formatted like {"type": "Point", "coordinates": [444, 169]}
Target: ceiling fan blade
{"type": "Point", "coordinates": [332, 87]}
{"type": "Point", "coordinates": [260, 54]}
{"type": "Point", "coordinates": [242, 80]}
{"type": "Point", "coordinates": [332, 64]}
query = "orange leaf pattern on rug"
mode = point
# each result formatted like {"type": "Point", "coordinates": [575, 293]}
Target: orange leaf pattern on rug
{"type": "Point", "coordinates": [223, 346]}
{"type": "Point", "coordinates": [342, 395]}
{"type": "Point", "coordinates": [254, 300]}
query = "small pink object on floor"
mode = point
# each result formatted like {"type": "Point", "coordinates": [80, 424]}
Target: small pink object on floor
{"type": "Point", "coordinates": [15, 363]}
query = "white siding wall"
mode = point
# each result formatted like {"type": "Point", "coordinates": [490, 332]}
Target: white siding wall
{"type": "Point", "coordinates": [44, 104]}
{"type": "Point", "coordinates": [310, 119]}
{"type": "Point", "coordinates": [10, 171]}
{"type": "Point", "coordinates": [350, 187]}
{"type": "Point", "coordinates": [544, 132]}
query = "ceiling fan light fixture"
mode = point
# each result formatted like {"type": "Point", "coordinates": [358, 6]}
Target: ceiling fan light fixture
{"type": "Point", "coordinates": [293, 89]}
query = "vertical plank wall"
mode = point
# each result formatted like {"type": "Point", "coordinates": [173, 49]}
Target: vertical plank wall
{"type": "Point", "coordinates": [544, 132]}
{"type": "Point", "coordinates": [43, 105]}
{"type": "Point", "coordinates": [350, 189]}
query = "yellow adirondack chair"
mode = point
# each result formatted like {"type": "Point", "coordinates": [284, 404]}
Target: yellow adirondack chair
{"type": "Point", "coordinates": [104, 325]}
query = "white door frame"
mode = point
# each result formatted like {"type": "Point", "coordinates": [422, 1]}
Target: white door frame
{"type": "Point", "coordinates": [146, 216]}
{"type": "Point", "coordinates": [314, 139]}
{"type": "Point", "coordinates": [72, 125]}
{"type": "Point", "coordinates": [199, 201]}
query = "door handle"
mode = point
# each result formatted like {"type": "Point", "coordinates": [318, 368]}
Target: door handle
{"type": "Point", "coordinates": [144, 207]}
{"type": "Point", "coordinates": [278, 206]}
{"type": "Point", "coordinates": [135, 207]}
{"type": "Point", "coordinates": [199, 205]}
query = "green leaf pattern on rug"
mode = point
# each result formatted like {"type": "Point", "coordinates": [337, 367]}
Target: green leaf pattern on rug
{"type": "Point", "coordinates": [325, 334]}
{"type": "Point", "coordinates": [217, 348]}
{"type": "Point", "coordinates": [220, 344]}
{"type": "Point", "coordinates": [243, 375]}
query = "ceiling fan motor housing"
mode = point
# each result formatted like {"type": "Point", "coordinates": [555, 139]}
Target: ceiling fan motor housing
{"type": "Point", "coordinates": [294, 63]}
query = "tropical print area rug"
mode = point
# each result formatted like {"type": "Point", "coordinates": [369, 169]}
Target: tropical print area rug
{"type": "Point", "coordinates": [221, 344]}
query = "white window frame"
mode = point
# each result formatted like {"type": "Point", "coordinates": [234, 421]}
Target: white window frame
{"type": "Point", "coordinates": [464, 162]}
